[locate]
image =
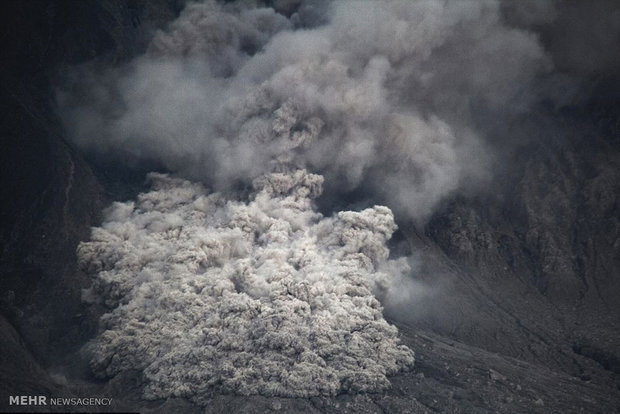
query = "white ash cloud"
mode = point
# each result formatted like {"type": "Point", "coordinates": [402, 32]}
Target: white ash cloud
{"type": "Point", "coordinates": [265, 297]}
{"type": "Point", "coordinates": [397, 100]}
{"type": "Point", "coordinates": [380, 97]}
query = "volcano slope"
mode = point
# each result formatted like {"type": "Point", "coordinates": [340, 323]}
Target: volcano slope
{"type": "Point", "coordinates": [518, 313]}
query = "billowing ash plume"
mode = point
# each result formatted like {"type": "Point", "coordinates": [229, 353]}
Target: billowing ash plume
{"type": "Point", "coordinates": [393, 100]}
{"type": "Point", "coordinates": [379, 98]}
{"type": "Point", "coordinates": [265, 297]}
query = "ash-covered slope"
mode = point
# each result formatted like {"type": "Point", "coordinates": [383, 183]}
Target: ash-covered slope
{"type": "Point", "coordinates": [520, 267]}
{"type": "Point", "coordinates": [517, 312]}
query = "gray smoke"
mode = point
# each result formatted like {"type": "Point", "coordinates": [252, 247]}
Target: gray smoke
{"type": "Point", "coordinates": [380, 98]}
{"type": "Point", "coordinates": [265, 298]}
{"type": "Point", "coordinates": [397, 100]}
{"type": "Point", "coordinates": [581, 39]}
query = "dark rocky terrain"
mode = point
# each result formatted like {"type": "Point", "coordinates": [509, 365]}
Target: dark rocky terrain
{"type": "Point", "coordinates": [527, 318]}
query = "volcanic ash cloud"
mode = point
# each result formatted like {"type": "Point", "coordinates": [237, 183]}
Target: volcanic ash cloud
{"type": "Point", "coordinates": [386, 98]}
{"type": "Point", "coordinates": [265, 297]}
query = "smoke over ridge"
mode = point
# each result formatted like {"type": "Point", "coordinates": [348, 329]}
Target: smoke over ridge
{"type": "Point", "coordinates": [380, 98]}
{"type": "Point", "coordinates": [206, 292]}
